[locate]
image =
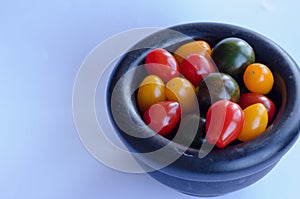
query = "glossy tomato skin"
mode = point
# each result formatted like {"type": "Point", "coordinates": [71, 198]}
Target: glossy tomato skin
{"type": "Point", "coordinates": [258, 78]}
{"type": "Point", "coordinates": [195, 67]}
{"type": "Point", "coordinates": [256, 120]}
{"type": "Point", "coordinates": [162, 117]}
{"type": "Point", "coordinates": [182, 90]}
{"type": "Point", "coordinates": [162, 63]}
{"type": "Point", "coordinates": [151, 91]}
{"type": "Point", "coordinates": [232, 55]}
{"type": "Point", "coordinates": [224, 122]}
{"type": "Point", "coordinates": [194, 47]}
{"type": "Point", "coordinates": [247, 99]}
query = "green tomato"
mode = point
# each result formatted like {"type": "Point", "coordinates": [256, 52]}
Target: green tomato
{"type": "Point", "coordinates": [232, 55]}
{"type": "Point", "coordinates": [192, 130]}
{"type": "Point", "coordinates": [217, 86]}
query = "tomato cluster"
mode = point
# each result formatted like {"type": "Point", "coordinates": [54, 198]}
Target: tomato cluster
{"type": "Point", "coordinates": [196, 77]}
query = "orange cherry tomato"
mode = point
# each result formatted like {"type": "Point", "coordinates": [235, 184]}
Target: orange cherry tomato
{"type": "Point", "coordinates": [258, 78]}
{"type": "Point", "coordinates": [194, 47]}
{"type": "Point", "coordinates": [182, 90]}
{"type": "Point", "coordinates": [151, 91]}
{"type": "Point", "coordinates": [256, 120]}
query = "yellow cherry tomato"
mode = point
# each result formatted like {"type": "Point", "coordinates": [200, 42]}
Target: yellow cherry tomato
{"type": "Point", "coordinates": [258, 78]}
{"type": "Point", "coordinates": [194, 47]}
{"type": "Point", "coordinates": [151, 91]}
{"type": "Point", "coordinates": [182, 90]}
{"type": "Point", "coordinates": [256, 120]}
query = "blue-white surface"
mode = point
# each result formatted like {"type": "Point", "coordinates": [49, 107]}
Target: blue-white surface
{"type": "Point", "coordinates": [42, 45]}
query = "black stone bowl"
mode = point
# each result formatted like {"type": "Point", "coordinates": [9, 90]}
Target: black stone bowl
{"type": "Point", "coordinates": [222, 170]}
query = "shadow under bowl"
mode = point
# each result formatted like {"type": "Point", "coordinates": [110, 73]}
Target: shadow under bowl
{"type": "Point", "coordinates": [222, 170]}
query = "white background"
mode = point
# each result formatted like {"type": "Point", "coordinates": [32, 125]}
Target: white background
{"type": "Point", "coordinates": [42, 45]}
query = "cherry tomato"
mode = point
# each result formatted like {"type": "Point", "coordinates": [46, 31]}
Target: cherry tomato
{"type": "Point", "coordinates": [151, 91]}
{"type": "Point", "coordinates": [162, 63]}
{"type": "Point", "coordinates": [256, 120]}
{"type": "Point", "coordinates": [224, 122]}
{"type": "Point", "coordinates": [182, 90]}
{"type": "Point", "coordinates": [258, 78]}
{"type": "Point", "coordinates": [194, 47]}
{"type": "Point", "coordinates": [247, 99]}
{"type": "Point", "coordinates": [217, 86]}
{"type": "Point", "coordinates": [162, 117]}
{"type": "Point", "coordinates": [232, 55]}
{"type": "Point", "coordinates": [195, 67]}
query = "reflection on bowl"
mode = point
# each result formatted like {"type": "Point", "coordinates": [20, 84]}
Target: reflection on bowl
{"type": "Point", "coordinates": [222, 170]}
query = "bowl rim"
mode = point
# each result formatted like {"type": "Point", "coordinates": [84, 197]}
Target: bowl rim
{"type": "Point", "coordinates": [262, 151]}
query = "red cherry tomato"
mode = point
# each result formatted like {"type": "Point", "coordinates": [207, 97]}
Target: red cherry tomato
{"type": "Point", "coordinates": [162, 117]}
{"type": "Point", "coordinates": [162, 63]}
{"type": "Point", "coordinates": [224, 122]}
{"type": "Point", "coordinates": [247, 99]}
{"type": "Point", "coordinates": [195, 67]}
